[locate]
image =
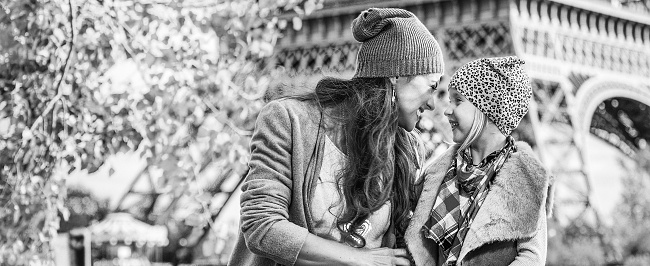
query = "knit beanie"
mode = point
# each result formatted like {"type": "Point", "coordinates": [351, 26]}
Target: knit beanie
{"type": "Point", "coordinates": [394, 43]}
{"type": "Point", "coordinates": [499, 87]}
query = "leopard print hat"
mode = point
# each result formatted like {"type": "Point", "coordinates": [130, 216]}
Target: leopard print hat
{"type": "Point", "coordinates": [499, 87]}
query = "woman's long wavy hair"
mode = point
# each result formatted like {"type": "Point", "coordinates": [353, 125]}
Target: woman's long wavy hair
{"type": "Point", "coordinates": [382, 158]}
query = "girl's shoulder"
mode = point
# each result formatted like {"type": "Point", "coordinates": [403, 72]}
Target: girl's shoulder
{"type": "Point", "coordinates": [525, 156]}
{"type": "Point", "coordinates": [524, 162]}
{"type": "Point", "coordinates": [437, 166]}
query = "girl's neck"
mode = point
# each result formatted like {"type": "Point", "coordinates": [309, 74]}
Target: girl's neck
{"type": "Point", "coordinates": [486, 144]}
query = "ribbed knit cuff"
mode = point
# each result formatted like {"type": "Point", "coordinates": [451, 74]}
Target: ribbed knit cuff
{"type": "Point", "coordinates": [399, 68]}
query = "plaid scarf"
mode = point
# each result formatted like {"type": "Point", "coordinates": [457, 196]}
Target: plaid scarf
{"type": "Point", "coordinates": [446, 225]}
{"type": "Point", "coordinates": [466, 178]}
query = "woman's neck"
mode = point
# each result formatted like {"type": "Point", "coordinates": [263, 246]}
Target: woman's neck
{"type": "Point", "coordinates": [486, 144]}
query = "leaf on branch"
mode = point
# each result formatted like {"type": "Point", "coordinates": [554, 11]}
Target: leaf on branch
{"type": "Point", "coordinates": [58, 33]}
{"type": "Point", "coordinates": [310, 6]}
{"type": "Point", "coordinates": [27, 135]}
{"type": "Point", "coordinates": [282, 24]}
{"type": "Point", "coordinates": [297, 23]}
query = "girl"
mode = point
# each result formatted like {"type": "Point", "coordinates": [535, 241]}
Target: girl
{"type": "Point", "coordinates": [483, 201]}
{"type": "Point", "coordinates": [331, 172]}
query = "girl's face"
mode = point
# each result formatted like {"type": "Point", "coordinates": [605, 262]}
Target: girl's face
{"type": "Point", "coordinates": [414, 95]}
{"type": "Point", "coordinates": [460, 114]}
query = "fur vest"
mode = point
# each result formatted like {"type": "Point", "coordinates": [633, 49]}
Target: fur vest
{"type": "Point", "coordinates": [515, 207]}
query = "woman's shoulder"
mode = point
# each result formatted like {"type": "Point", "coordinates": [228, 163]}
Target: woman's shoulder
{"type": "Point", "coordinates": [289, 113]}
{"type": "Point", "coordinates": [289, 107]}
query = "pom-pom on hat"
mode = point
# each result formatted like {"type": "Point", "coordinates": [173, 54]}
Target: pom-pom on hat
{"type": "Point", "coordinates": [499, 87]}
{"type": "Point", "coordinates": [394, 43]}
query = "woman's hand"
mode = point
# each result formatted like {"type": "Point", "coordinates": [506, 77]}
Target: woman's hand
{"type": "Point", "coordinates": [383, 256]}
{"type": "Point", "coordinates": [319, 251]}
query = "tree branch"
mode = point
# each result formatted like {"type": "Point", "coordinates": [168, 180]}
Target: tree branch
{"type": "Point", "coordinates": [59, 91]}
{"type": "Point", "coordinates": [250, 96]}
{"type": "Point", "coordinates": [237, 130]}
{"type": "Point", "coordinates": [206, 229]}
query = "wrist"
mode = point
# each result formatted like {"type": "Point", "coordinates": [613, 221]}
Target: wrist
{"type": "Point", "coordinates": [350, 256]}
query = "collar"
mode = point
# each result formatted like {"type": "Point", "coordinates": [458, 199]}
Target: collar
{"type": "Point", "coordinates": [466, 155]}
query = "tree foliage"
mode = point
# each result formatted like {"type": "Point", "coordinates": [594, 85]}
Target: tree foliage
{"type": "Point", "coordinates": [579, 243]}
{"type": "Point", "coordinates": [179, 81]}
{"type": "Point", "coordinates": [632, 231]}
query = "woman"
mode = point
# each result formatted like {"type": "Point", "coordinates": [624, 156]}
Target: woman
{"type": "Point", "coordinates": [330, 172]}
{"type": "Point", "coordinates": [484, 201]}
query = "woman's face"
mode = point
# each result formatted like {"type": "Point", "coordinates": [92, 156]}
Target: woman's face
{"type": "Point", "coordinates": [460, 114]}
{"type": "Point", "coordinates": [414, 95]}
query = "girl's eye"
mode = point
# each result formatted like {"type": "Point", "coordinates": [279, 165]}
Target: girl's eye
{"type": "Point", "coordinates": [434, 86]}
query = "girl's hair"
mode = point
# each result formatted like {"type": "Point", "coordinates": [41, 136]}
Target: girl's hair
{"type": "Point", "coordinates": [382, 158]}
{"type": "Point", "coordinates": [480, 120]}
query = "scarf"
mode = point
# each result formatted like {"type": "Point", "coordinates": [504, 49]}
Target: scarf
{"type": "Point", "coordinates": [447, 225]}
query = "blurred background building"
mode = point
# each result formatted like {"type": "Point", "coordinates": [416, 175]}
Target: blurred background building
{"type": "Point", "coordinates": [589, 122]}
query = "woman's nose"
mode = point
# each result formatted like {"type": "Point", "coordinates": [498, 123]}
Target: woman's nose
{"type": "Point", "coordinates": [431, 105]}
{"type": "Point", "coordinates": [448, 111]}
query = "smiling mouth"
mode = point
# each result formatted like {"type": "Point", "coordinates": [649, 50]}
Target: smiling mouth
{"type": "Point", "coordinates": [453, 124]}
{"type": "Point", "coordinates": [419, 113]}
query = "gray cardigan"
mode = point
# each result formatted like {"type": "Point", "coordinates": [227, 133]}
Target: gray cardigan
{"type": "Point", "coordinates": [514, 211]}
{"type": "Point", "coordinates": [286, 153]}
